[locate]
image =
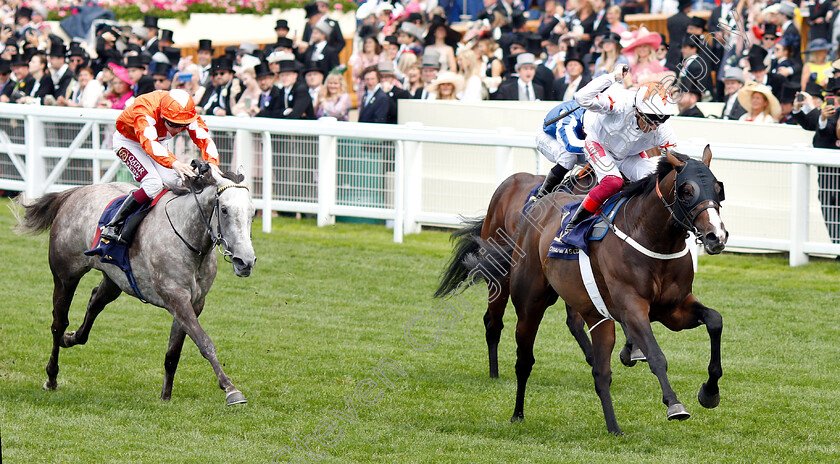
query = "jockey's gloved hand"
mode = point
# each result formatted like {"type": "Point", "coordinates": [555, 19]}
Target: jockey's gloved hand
{"type": "Point", "coordinates": [182, 169]}
{"type": "Point", "coordinates": [620, 71]}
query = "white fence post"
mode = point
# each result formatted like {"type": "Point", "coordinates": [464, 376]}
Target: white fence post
{"type": "Point", "coordinates": [399, 190]}
{"type": "Point", "coordinates": [243, 156]}
{"type": "Point", "coordinates": [799, 213]}
{"type": "Point", "coordinates": [327, 160]}
{"type": "Point", "coordinates": [267, 176]}
{"type": "Point", "coordinates": [35, 169]}
{"type": "Point", "coordinates": [504, 158]}
{"type": "Point", "coordinates": [413, 181]}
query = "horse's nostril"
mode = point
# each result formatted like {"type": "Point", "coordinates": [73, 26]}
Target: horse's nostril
{"type": "Point", "coordinates": [710, 237]}
{"type": "Point", "coordinates": [238, 262]}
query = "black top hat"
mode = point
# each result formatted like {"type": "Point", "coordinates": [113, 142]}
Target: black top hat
{"type": "Point", "coordinates": [289, 65]}
{"type": "Point", "coordinates": [11, 42]}
{"type": "Point", "coordinates": [222, 63]}
{"type": "Point", "coordinates": [367, 31]}
{"type": "Point", "coordinates": [414, 17]}
{"type": "Point", "coordinates": [262, 69]}
{"type": "Point", "coordinates": [150, 22]}
{"type": "Point", "coordinates": [282, 24]}
{"type": "Point", "coordinates": [697, 22]}
{"type": "Point", "coordinates": [231, 51]}
{"type": "Point", "coordinates": [162, 69]}
{"type": "Point", "coordinates": [57, 49]}
{"type": "Point", "coordinates": [24, 12]}
{"type": "Point", "coordinates": [789, 90]}
{"type": "Point", "coordinates": [519, 40]}
{"type": "Point", "coordinates": [5, 66]}
{"type": "Point", "coordinates": [691, 40]}
{"type": "Point", "coordinates": [769, 29]}
{"type": "Point", "coordinates": [518, 19]}
{"type": "Point", "coordinates": [392, 39]}
{"type": "Point", "coordinates": [19, 60]}
{"type": "Point", "coordinates": [133, 48]}
{"type": "Point", "coordinates": [756, 58]}
{"type": "Point", "coordinates": [205, 45]}
{"type": "Point", "coordinates": [548, 28]}
{"type": "Point", "coordinates": [683, 4]}
{"type": "Point", "coordinates": [173, 54]}
{"type": "Point", "coordinates": [134, 61]}
{"type": "Point", "coordinates": [166, 35]}
{"type": "Point", "coordinates": [573, 54]}
{"type": "Point", "coordinates": [812, 88]}
{"type": "Point", "coordinates": [452, 36]}
{"type": "Point", "coordinates": [316, 66]}
{"type": "Point", "coordinates": [831, 87]}
{"type": "Point", "coordinates": [76, 50]}
{"type": "Point", "coordinates": [311, 9]}
{"type": "Point", "coordinates": [284, 42]}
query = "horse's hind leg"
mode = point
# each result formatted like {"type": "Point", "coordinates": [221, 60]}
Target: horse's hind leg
{"type": "Point", "coordinates": [186, 317]}
{"type": "Point", "coordinates": [106, 292]}
{"type": "Point", "coordinates": [529, 312]}
{"type": "Point", "coordinates": [576, 326]}
{"type": "Point", "coordinates": [603, 342]}
{"type": "Point", "coordinates": [173, 354]}
{"type": "Point", "coordinates": [63, 290]}
{"type": "Point", "coordinates": [493, 325]}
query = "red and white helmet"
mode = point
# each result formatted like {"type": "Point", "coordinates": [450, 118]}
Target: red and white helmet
{"type": "Point", "coordinates": [654, 99]}
{"type": "Point", "coordinates": [177, 106]}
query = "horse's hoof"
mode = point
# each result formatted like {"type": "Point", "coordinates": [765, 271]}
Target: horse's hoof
{"type": "Point", "coordinates": [706, 400]}
{"type": "Point", "coordinates": [517, 417]}
{"type": "Point", "coordinates": [235, 397]}
{"type": "Point", "coordinates": [50, 385]}
{"type": "Point", "coordinates": [617, 432]}
{"type": "Point", "coordinates": [637, 355]}
{"type": "Point", "coordinates": [677, 411]}
{"type": "Point", "coordinates": [624, 356]}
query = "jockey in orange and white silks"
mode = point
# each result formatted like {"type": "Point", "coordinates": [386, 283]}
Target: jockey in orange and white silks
{"type": "Point", "coordinates": [620, 125]}
{"type": "Point", "coordinates": [143, 130]}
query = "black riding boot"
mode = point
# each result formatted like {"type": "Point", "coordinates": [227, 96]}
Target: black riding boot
{"type": "Point", "coordinates": [113, 229]}
{"type": "Point", "coordinates": [552, 180]}
{"type": "Point", "coordinates": [580, 215]}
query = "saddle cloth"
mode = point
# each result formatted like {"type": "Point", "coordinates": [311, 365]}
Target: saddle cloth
{"type": "Point", "coordinates": [592, 229]}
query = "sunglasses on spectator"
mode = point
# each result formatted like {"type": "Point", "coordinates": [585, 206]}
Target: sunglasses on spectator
{"type": "Point", "coordinates": [160, 79]}
{"type": "Point", "coordinates": [173, 125]}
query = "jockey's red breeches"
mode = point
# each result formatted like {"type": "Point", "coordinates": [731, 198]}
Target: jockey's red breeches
{"type": "Point", "coordinates": [609, 186]}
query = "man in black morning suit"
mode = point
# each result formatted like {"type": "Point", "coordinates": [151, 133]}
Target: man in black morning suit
{"type": "Point", "coordinates": [375, 103]}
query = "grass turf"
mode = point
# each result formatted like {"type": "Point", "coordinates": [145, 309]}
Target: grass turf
{"type": "Point", "coordinates": [303, 336]}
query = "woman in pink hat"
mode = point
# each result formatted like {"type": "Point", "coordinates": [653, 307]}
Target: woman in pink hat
{"type": "Point", "coordinates": [119, 91]}
{"type": "Point", "coordinates": [644, 67]}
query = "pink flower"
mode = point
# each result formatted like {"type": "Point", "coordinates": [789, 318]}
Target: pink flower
{"type": "Point", "coordinates": [231, 9]}
{"type": "Point", "coordinates": [62, 13]}
{"type": "Point", "coordinates": [144, 8]}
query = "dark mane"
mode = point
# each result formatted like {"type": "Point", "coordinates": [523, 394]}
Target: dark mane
{"type": "Point", "coordinates": [646, 185]}
{"type": "Point", "coordinates": [199, 183]}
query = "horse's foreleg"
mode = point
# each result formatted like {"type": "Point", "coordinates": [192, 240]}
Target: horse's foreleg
{"type": "Point", "coordinates": [106, 292]}
{"type": "Point", "coordinates": [630, 354]}
{"type": "Point", "coordinates": [186, 317]}
{"type": "Point", "coordinates": [576, 326]}
{"type": "Point", "coordinates": [493, 325]}
{"type": "Point", "coordinates": [62, 297]}
{"type": "Point", "coordinates": [603, 342]}
{"type": "Point", "coordinates": [173, 355]}
{"type": "Point", "coordinates": [642, 334]}
{"type": "Point", "coordinates": [709, 394]}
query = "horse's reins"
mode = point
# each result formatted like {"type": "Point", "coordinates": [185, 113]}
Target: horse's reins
{"type": "Point", "coordinates": [218, 239]}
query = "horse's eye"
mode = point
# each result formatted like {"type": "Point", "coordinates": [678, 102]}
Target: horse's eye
{"type": "Point", "coordinates": [687, 192]}
{"type": "Point", "coordinates": [224, 210]}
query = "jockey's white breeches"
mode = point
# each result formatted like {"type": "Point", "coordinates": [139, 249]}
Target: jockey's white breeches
{"type": "Point", "coordinates": [152, 176]}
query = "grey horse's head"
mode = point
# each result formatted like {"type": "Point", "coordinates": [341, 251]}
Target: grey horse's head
{"type": "Point", "coordinates": [235, 216]}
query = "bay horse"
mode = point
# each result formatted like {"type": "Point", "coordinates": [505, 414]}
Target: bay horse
{"type": "Point", "coordinates": [172, 258]}
{"type": "Point", "coordinates": [642, 271]}
{"type": "Point", "coordinates": [499, 227]}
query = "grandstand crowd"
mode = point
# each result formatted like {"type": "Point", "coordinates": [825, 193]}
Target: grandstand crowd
{"type": "Point", "coordinates": [746, 55]}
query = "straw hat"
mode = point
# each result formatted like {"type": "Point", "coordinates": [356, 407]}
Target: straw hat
{"type": "Point", "coordinates": [745, 94]}
{"type": "Point", "coordinates": [447, 77]}
{"type": "Point", "coordinates": [644, 37]}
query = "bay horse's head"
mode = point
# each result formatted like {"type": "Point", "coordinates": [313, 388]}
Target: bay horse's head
{"type": "Point", "coordinates": [233, 214]}
{"type": "Point", "coordinates": [697, 197]}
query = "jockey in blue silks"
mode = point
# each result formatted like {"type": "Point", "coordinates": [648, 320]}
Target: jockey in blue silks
{"type": "Point", "coordinates": [562, 143]}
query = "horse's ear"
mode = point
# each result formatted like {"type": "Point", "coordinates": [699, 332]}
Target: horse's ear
{"type": "Point", "coordinates": [673, 160]}
{"type": "Point", "coordinates": [707, 155]}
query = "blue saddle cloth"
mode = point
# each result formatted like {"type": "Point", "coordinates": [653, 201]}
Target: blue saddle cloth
{"type": "Point", "coordinates": [579, 238]}
{"type": "Point", "coordinates": [111, 252]}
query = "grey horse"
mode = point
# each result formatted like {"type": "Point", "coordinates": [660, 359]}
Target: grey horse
{"type": "Point", "coordinates": [172, 258]}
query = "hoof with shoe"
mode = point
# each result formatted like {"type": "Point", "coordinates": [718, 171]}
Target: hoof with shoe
{"type": "Point", "coordinates": [50, 385]}
{"type": "Point", "coordinates": [517, 418]}
{"type": "Point", "coordinates": [235, 397]}
{"type": "Point", "coordinates": [624, 356]}
{"type": "Point", "coordinates": [637, 355]}
{"type": "Point", "coordinates": [678, 412]}
{"type": "Point", "coordinates": [706, 400]}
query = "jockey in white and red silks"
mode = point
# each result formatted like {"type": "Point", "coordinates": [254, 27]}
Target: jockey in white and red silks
{"type": "Point", "coordinates": [620, 125]}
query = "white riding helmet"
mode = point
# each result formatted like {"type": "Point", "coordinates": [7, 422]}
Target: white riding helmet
{"type": "Point", "coordinates": [654, 99]}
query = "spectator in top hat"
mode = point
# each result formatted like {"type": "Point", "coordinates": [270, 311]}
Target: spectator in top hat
{"type": "Point", "coordinates": [687, 103]}
{"type": "Point", "coordinates": [789, 91]}
{"type": "Point", "coordinates": [769, 36]}
{"type": "Point", "coordinates": [226, 89]}
{"type": "Point", "coordinates": [313, 16]}
{"type": "Point", "coordinates": [375, 103]}
{"type": "Point", "coordinates": [24, 82]}
{"type": "Point", "coordinates": [6, 82]}
{"type": "Point", "coordinates": [428, 71]}
{"type": "Point", "coordinates": [782, 15]}
{"type": "Point", "coordinates": [137, 72]}
{"type": "Point", "coordinates": [270, 103]}
{"type": "Point", "coordinates": [695, 72]}
{"type": "Point", "coordinates": [442, 39]}
{"type": "Point", "coordinates": [677, 29]}
{"type": "Point", "coordinates": [389, 85]}
{"type": "Point", "coordinates": [733, 80]}
{"type": "Point", "coordinates": [77, 57]}
{"type": "Point", "coordinates": [59, 69]}
{"type": "Point", "coordinates": [758, 71]}
{"type": "Point", "coordinates": [337, 38]}
{"type": "Point", "coordinates": [575, 77]}
{"type": "Point", "coordinates": [521, 86]}
{"type": "Point", "coordinates": [319, 49]}
{"type": "Point", "coordinates": [313, 74]}
{"type": "Point", "coordinates": [138, 36]}
{"type": "Point", "coordinates": [205, 58]}
{"type": "Point", "coordinates": [162, 76]}
{"type": "Point", "coordinates": [295, 99]}
{"type": "Point", "coordinates": [281, 28]}
{"type": "Point", "coordinates": [151, 25]}
{"type": "Point", "coordinates": [166, 39]}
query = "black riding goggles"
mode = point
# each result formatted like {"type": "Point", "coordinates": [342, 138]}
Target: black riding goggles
{"type": "Point", "coordinates": [175, 126]}
{"type": "Point", "coordinates": [654, 118]}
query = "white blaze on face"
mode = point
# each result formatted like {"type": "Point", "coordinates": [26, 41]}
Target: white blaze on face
{"type": "Point", "coordinates": [717, 224]}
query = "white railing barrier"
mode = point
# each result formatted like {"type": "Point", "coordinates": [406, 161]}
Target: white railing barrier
{"type": "Point", "coordinates": [46, 149]}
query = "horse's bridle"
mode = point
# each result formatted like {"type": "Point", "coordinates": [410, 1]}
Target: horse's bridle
{"type": "Point", "coordinates": [218, 239]}
{"type": "Point", "coordinates": [685, 214]}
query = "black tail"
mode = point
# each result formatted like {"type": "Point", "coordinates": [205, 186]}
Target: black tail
{"type": "Point", "coordinates": [466, 243]}
{"type": "Point", "coordinates": [39, 216]}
